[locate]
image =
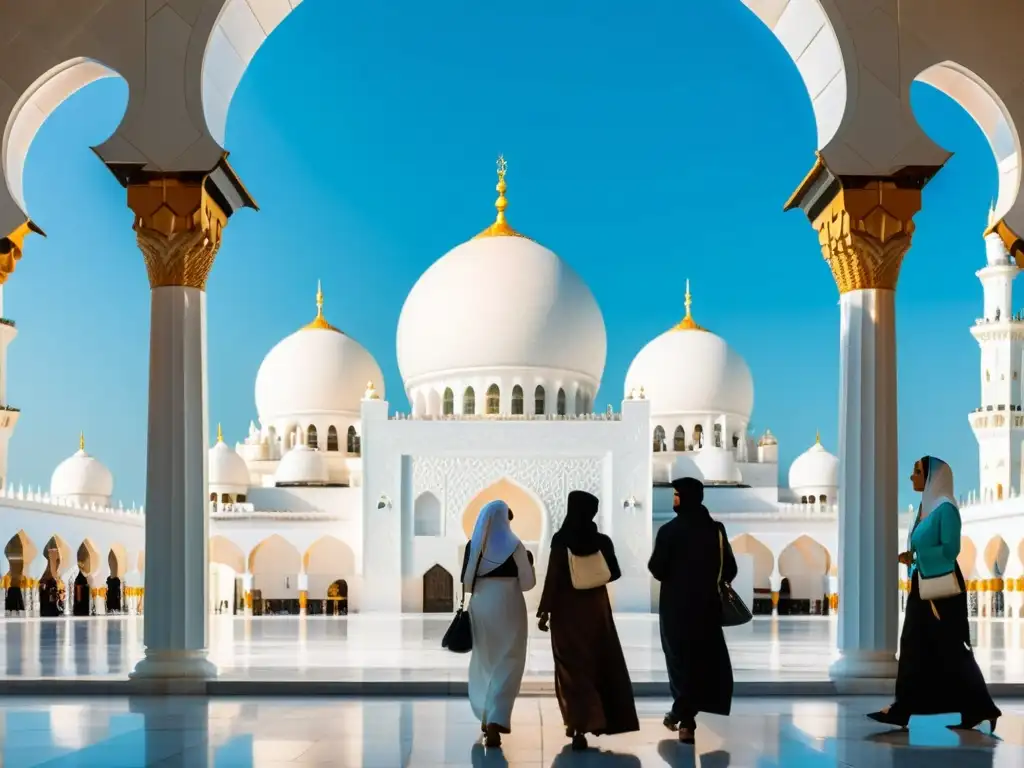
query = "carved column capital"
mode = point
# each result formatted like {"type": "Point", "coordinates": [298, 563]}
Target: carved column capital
{"type": "Point", "coordinates": [11, 248]}
{"type": "Point", "coordinates": [179, 227]}
{"type": "Point", "coordinates": [864, 224]}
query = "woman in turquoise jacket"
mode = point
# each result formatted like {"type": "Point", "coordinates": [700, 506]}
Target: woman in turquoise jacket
{"type": "Point", "coordinates": [937, 671]}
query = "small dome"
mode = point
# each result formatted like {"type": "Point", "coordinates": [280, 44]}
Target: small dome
{"type": "Point", "coordinates": [500, 301]}
{"type": "Point", "coordinates": [228, 470]}
{"type": "Point", "coordinates": [316, 370]}
{"type": "Point", "coordinates": [814, 469]}
{"type": "Point", "coordinates": [688, 370]}
{"type": "Point", "coordinates": [767, 438]}
{"type": "Point", "coordinates": [82, 477]}
{"type": "Point", "coordinates": [302, 466]}
{"type": "Point", "coordinates": [717, 465]}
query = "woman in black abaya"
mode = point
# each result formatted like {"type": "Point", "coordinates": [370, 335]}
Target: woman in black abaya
{"type": "Point", "coordinates": [691, 557]}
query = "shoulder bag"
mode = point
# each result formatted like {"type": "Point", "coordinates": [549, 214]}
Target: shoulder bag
{"type": "Point", "coordinates": [938, 587]}
{"type": "Point", "coordinates": [459, 637]}
{"type": "Point", "coordinates": [588, 571]}
{"type": "Point", "coordinates": [734, 611]}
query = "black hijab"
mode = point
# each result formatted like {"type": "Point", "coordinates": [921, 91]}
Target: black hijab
{"type": "Point", "coordinates": [691, 497]}
{"type": "Point", "coordinates": [579, 531]}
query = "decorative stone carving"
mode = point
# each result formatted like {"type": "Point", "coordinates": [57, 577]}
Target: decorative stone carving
{"type": "Point", "coordinates": [455, 481]}
{"type": "Point", "coordinates": [865, 233]}
{"type": "Point", "coordinates": [179, 228]}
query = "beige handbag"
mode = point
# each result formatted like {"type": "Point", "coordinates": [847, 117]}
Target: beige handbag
{"type": "Point", "coordinates": [588, 571]}
{"type": "Point", "coordinates": [939, 587]}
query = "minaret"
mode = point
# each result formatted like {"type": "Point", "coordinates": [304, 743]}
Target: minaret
{"type": "Point", "coordinates": [999, 423]}
{"type": "Point", "coordinates": [8, 418]}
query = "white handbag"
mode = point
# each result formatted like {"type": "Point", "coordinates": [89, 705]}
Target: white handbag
{"type": "Point", "coordinates": [588, 571]}
{"type": "Point", "coordinates": [938, 587]}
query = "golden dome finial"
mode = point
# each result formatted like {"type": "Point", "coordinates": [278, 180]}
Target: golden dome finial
{"type": "Point", "coordinates": [320, 322]}
{"type": "Point", "coordinates": [500, 227]}
{"type": "Point", "coordinates": [817, 437]}
{"type": "Point", "coordinates": [81, 441]}
{"type": "Point", "coordinates": [220, 434]}
{"type": "Point", "coordinates": [688, 323]}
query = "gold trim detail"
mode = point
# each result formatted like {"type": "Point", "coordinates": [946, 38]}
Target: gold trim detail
{"type": "Point", "coordinates": [688, 323]}
{"type": "Point", "coordinates": [81, 441]}
{"type": "Point", "coordinates": [864, 234]}
{"type": "Point", "coordinates": [1014, 244]}
{"type": "Point", "coordinates": [220, 434]}
{"type": "Point", "coordinates": [500, 227]}
{"type": "Point", "coordinates": [11, 248]}
{"type": "Point", "coordinates": [320, 322]}
{"type": "Point", "coordinates": [178, 226]}
{"type": "Point", "coordinates": [817, 437]}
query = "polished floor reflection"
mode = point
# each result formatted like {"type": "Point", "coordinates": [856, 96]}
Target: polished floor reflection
{"type": "Point", "coordinates": [381, 733]}
{"type": "Point", "coordinates": [408, 648]}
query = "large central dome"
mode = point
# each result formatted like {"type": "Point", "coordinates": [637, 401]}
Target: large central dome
{"type": "Point", "coordinates": [500, 302]}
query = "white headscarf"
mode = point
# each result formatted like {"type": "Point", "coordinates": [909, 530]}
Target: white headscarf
{"type": "Point", "coordinates": [938, 486]}
{"type": "Point", "coordinates": [493, 541]}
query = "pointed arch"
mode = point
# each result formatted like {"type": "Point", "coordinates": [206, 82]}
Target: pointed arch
{"type": "Point", "coordinates": [493, 404]}
{"type": "Point", "coordinates": [997, 556]}
{"type": "Point", "coordinates": [65, 555]}
{"type": "Point", "coordinates": [20, 551]}
{"type": "Point", "coordinates": [438, 590]}
{"type": "Point", "coordinates": [226, 552]}
{"type": "Point", "coordinates": [329, 561]}
{"type": "Point", "coordinates": [679, 439]}
{"type": "Point", "coordinates": [528, 513]}
{"type": "Point", "coordinates": [311, 436]}
{"type": "Point", "coordinates": [517, 400]}
{"type": "Point", "coordinates": [117, 560]}
{"type": "Point", "coordinates": [469, 402]}
{"type": "Point", "coordinates": [332, 438]}
{"type": "Point", "coordinates": [352, 441]}
{"type": "Point", "coordinates": [658, 439]}
{"type": "Point", "coordinates": [88, 557]}
{"type": "Point", "coordinates": [560, 402]}
{"type": "Point", "coordinates": [764, 559]}
{"type": "Point", "coordinates": [968, 558]}
{"type": "Point", "coordinates": [804, 556]}
{"type": "Point", "coordinates": [427, 516]}
{"type": "Point", "coordinates": [538, 400]}
{"type": "Point", "coordinates": [275, 554]}
{"type": "Point", "coordinates": [448, 405]}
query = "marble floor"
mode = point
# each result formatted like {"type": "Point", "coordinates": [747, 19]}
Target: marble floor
{"type": "Point", "coordinates": [194, 732]}
{"type": "Point", "coordinates": [376, 648]}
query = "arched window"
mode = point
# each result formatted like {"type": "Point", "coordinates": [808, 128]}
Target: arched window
{"type": "Point", "coordinates": [225, 498]}
{"type": "Point", "coordinates": [698, 436]}
{"type": "Point", "coordinates": [735, 440]}
{"type": "Point", "coordinates": [803, 499]}
{"type": "Point", "coordinates": [449, 401]}
{"type": "Point", "coordinates": [240, 498]}
{"type": "Point", "coordinates": [823, 498]}
{"type": "Point", "coordinates": [560, 402]}
{"type": "Point", "coordinates": [427, 515]}
{"type": "Point", "coordinates": [538, 400]}
{"type": "Point", "coordinates": [332, 438]}
{"type": "Point", "coordinates": [469, 402]}
{"type": "Point", "coordinates": [718, 435]}
{"type": "Point", "coordinates": [517, 400]}
{"type": "Point", "coordinates": [311, 436]}
{"type": "Point", "coordinates": [679, 439]}
{"type": "Point", "coordinates": [659, 438]}
{"type": "Point", "coordinates": [213, 496]}
{"type": "Point", "coordinates": [493, 405]}
{"type": "Point", "coordinates": [353, 441]}
{"type": "Point", "coordinates": [588, 403]}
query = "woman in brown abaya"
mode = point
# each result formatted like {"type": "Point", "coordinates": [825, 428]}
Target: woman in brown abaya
{"type": "Point", "coordinates": [591, 680]}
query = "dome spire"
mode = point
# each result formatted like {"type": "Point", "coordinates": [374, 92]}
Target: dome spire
{"type": "Point", "coordinates": [688, 323]}
{"type": "Point", "coordinates": [81, 441]}
{"type": "Point", "coordinates": [320, 322]}
{"type": "Point", "coordinates": [500, 227]}
{"type": "Point", "coordinates": [220, 434]}
{"type": "Point", "coordinates": [817, 437]}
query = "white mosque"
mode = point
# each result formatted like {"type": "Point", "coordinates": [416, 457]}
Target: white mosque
{"type": "Point", "coordinates": [333, 503]}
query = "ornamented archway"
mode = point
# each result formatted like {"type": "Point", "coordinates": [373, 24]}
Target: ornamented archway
{"type": "Point", "coordinates": [764, 559]}
{"type": "Point", "coordinates": [337, 598]}
{"type": "Point", "coordinates": [527, 513]}
{"type": "Point", "coordinates": [438, 591]}
{"type": "Point", "coordinates": [804, 566]}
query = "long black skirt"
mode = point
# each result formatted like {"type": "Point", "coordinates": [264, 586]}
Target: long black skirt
{"type": "Point", "coordinates": [937, 670]}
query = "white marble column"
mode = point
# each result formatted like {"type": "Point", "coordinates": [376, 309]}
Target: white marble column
{"type": "Point", "coordinates": [868, 486]}
{"type": "Point", "coordinates": [177, 515]}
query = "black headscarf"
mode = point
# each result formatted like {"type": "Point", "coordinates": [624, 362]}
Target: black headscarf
{"type": "Point", "coordinates": [579, 531]}
{"type": "Point", "coordinates": [691, 496]}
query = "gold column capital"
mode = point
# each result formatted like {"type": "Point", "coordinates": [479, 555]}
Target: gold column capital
{"type": "Point", "coordinates": [864, 224]}
{"type": "Point", "coordinates": [180, 218]}
{"type": "Point", "coordinates": [11, 248]}
{"type": "Point", "coordinates": [179, 227]}
{"type": "Point", "coordinates": [1014, 244]}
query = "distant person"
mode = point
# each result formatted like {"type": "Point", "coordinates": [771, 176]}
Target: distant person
{"type": "Point", "coordinates": [937, 672]}
{"type": "Point", "coordinates": [497, 570]}
{"type": "Point", "coordinates": [14, 600]}
{"type": "Point", "coordinates": [691, 557]}
{"type": "Point", "coordinates": [592, 682]}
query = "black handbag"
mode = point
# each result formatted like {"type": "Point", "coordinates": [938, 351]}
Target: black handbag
{"type": "Point", "coordinates": [459, 637]}
{"type": "Point", "coordinates": [734, 611]}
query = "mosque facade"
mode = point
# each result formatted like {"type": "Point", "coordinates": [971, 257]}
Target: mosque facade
{"type": "Point", "coordinates": [334, 503]}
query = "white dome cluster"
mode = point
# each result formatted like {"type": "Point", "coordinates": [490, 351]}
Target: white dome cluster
{"type": "Point", "coordinates": [504, 314]}
{"type": "Point", "coordinates": [228, 473]}
{"type": "Point", "coordinates": [814, 474]}
{"type": "Point", "coordinates": [82, 479]}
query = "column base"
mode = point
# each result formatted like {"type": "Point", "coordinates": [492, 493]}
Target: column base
{"type": "Point", "coordinates": [864, 665]}
{"type": "Point", "coordinates": [170, 665]}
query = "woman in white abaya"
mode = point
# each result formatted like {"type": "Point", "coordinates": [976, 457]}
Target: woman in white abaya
{"type": "Point", "coordinates": [497, 571]}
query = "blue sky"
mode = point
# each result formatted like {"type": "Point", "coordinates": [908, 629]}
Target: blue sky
{"type": "Point", "coordinates": [644, 148]}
